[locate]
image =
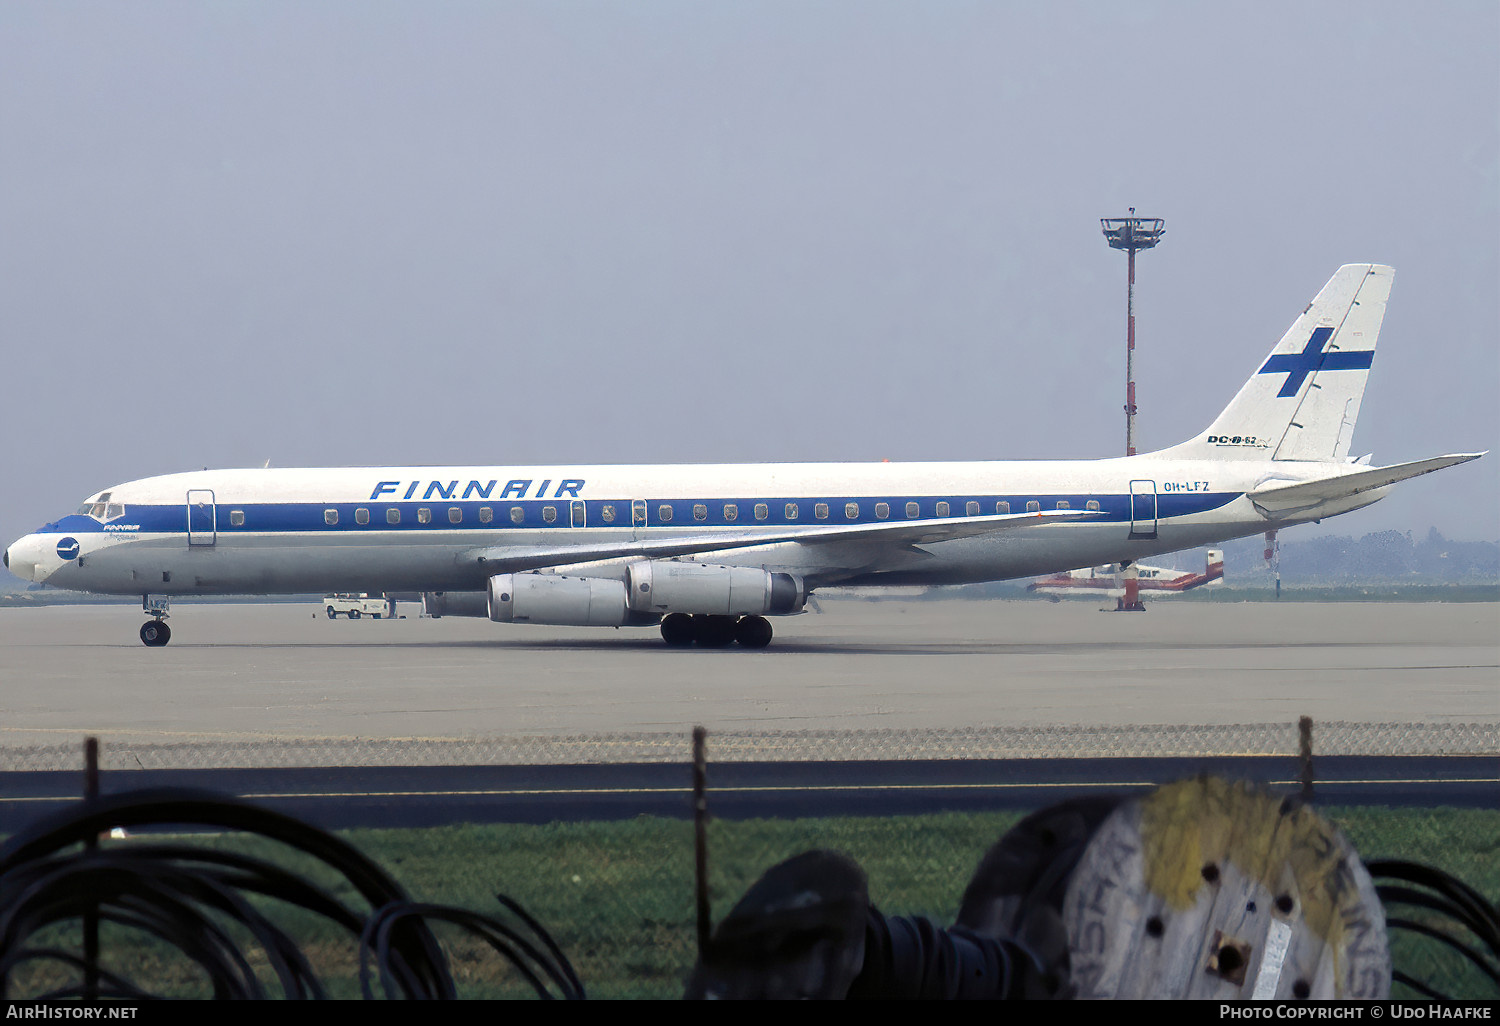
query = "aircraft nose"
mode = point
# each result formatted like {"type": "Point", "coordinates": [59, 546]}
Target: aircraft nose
{"type": "Point", "coordinates": [23, 558]}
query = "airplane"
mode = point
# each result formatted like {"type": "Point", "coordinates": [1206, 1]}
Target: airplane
{"type": "Point", "coordinates": [1109, 579]}
{"type": "Point", "coordinates": [709, 552]}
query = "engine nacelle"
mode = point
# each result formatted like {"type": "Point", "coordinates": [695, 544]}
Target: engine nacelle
{"type": "Point", "coordinates": [455, 603]}
{"type": "Point", "coordinates": [564, 601]}
{"type": "Point", "coordinates": [667, 586]}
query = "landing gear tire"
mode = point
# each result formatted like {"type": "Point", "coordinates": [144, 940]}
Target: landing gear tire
{"type": "Point", "coordinates": [354, 614]}
{"type": "Point", "coordinates": [715, 631]}
{"type": "Point", "coordinates": [753, 632]}
{"type": "Point", "coordinates": [331, 614]}
{"type": "Point", "coordinates": [155, 634]}
{"type": "Point", "coordinates": [678, 630]}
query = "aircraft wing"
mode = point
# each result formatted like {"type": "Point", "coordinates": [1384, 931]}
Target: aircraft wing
{"type": "Point", "coordinates": [895, 535]}
{"type": "Point", "coordinates": [1279, 499]}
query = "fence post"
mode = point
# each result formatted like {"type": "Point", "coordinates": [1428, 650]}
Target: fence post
{"type": "Point", "coordinates": [700, 838]}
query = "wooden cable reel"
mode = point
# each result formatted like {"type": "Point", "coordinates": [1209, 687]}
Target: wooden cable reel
{"type": "Point", "coordinates": [1218, 890]}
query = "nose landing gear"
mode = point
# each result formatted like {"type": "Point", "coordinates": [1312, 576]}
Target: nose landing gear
{"type": "Point", "coordinates": [154, 632]}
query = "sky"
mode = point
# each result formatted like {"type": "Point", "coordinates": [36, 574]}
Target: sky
{"type": "Point", "coordinates": [390, 233]}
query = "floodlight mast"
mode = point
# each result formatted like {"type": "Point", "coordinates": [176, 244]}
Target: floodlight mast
{"type": "Point", "coordinates": [1130, 234]}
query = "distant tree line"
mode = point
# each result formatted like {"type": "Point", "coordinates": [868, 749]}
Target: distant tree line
{"type": "Point", "coordinates": [1380, 557]}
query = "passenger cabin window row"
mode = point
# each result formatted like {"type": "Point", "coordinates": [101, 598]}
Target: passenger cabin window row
{"type": "Point", "coordinates": [609, 515]}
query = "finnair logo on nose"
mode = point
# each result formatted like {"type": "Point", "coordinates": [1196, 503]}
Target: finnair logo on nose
{"type": "Point", "coordinates": [67, 548]}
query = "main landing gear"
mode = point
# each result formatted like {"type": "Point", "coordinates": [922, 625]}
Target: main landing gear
{"type": "Point", "coordinates": [154, 632]}
{"type": "Point", "coordinates": [682, 629]}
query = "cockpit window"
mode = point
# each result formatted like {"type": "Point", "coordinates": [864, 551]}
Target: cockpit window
{"type": "Point", "coordinates": [102, 509]}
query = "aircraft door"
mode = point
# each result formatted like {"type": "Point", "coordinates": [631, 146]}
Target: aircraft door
{"type": "Point", "coordinates": [1143, 509]}
{"type": "Point", "coordinates": [637, 516]}
{"type": "Point", "coordinates": [202, 517]}
{"type": "Point", "coordinates": [578, 515]}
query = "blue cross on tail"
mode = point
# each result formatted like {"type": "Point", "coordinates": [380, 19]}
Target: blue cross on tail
{"type": "Point", "coordinates": [1312, 359]}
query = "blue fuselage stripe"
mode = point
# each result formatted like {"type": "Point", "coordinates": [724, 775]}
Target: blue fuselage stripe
{"type": "Point", "coordinates": [313, 517]}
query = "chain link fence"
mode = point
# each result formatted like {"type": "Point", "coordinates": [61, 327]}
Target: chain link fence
{"type": "Point", "coordinates": [1029, 742]}
{"type": "Point", "coordinates": [621, 898]}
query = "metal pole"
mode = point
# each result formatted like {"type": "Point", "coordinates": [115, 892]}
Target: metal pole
{"type": "Point", "coordinates": [1131, 601]}
{"type": "Point", "coordinates": [1130, 358]}
{"type": "Point", "coordinates": [91, 916]}
{"type": "Point", "coordinates": [1304, 734]}
{"type": "Point", "coordinates": [700, 839]}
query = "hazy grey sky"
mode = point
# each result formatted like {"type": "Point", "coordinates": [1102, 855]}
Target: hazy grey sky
{"type": "Point", "coordinates": [539, 232]}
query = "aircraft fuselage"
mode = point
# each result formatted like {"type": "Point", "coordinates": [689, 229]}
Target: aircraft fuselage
{"type": "Point", "coordinates": [263, 532]}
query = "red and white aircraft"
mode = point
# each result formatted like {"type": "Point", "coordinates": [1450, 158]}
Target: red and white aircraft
{"type": "Point", "coordinates": [1109, 579]}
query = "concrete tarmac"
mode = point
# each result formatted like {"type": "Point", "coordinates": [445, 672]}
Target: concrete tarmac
{"type": "Point", "coordinates": [251, 677]}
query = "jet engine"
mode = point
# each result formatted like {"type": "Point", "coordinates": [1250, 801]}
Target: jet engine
{"type": "Point", "coordinates": [667, 586]}
{"type": "Point", "coordinates": [566, 601]}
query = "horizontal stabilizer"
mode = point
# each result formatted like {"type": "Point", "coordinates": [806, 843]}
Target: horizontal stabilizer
{"type": "Point", "coordinates": [1282, 499]}
{"type": "Point", "coordinates": [898, 534]}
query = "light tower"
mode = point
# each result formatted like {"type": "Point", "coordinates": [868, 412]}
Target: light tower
{"type": "Point", "coordinates": [1130, 234]}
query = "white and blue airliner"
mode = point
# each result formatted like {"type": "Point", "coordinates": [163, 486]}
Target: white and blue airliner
{"type": "Point", "coordinates": [708, 552]}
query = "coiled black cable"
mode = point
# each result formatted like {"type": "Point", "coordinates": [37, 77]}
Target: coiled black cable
{"type": "Point", "coordinates": [1417, 886]}
{"type": "Point", "coordinates": [189, 897]}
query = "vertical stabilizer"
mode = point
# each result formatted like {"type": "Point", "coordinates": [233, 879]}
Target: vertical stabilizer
{"type": "Point", "coordinates": [1303, 401]}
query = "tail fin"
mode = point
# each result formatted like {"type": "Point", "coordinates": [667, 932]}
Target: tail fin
{"type": "Point", "coordinates": [1213, 564]}
{"type": "Point", "coordinates": [1302, 402]}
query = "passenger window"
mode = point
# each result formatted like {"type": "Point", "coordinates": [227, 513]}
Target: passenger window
{"type": "Point", "coordinates": [791, 511]}
{"type": "Point", "coordinates": [821, 511]}
{"type": "Point", "coordinates": [1002, 508]}
{"type": "Point", "coordinates": [517, 515]}
{"type": "Point", "coordinates": [455, 515]}
{"type": "Point", "coordinates": [942, 509]}
{"type": "Point", "coordinates": [664, 513]}
{"type": "Point", "coordinates": [882, 510]}
{"type": "Point", "coordinates": [392, 515]}
{"type": "Point", "coordinates": [549, 514]}
{"type": "Point", "coordinates": [361, 516]}
{"type": "Point", "coordinates": [486, 514]}
{"type": "Point", "coordinates": [913, 511]}
{"type": "Point", "coordinates": [851, 510]}
{"type": "Point", "coordinates": [762, 511]}
{"type": "Point", "coordinates": [700, 511]}
{"type": "Point", "coordinates": [731, 511]}
{"type": "Point", "coordinates": [1033, 506]}
{"type": "Point", "coordinates": [424, 515]}
{"type": "Point", "coordinates": [1063, 504]}
{"type": "Point", "coordinates": [330, 517]}
{"type": "Point", "coordinates": [237, 518]}
{"type": "Point", "coordinates": [608, 514]}
{"type": "Point", "coordinates": [1092, 506]}
{"type": "Point", "coordinates": [972, 509]}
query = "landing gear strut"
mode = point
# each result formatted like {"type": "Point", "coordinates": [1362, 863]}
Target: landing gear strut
{"type": "Point", "coordinates": [680, 630]}
{"type": "Point", "coordinates": [154, 632]}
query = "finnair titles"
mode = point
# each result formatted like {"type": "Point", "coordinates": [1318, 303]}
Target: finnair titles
{"type": "Point", "coordinates": [707, 553]}
{"type": "Point", "coordinates": [514, 489]}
